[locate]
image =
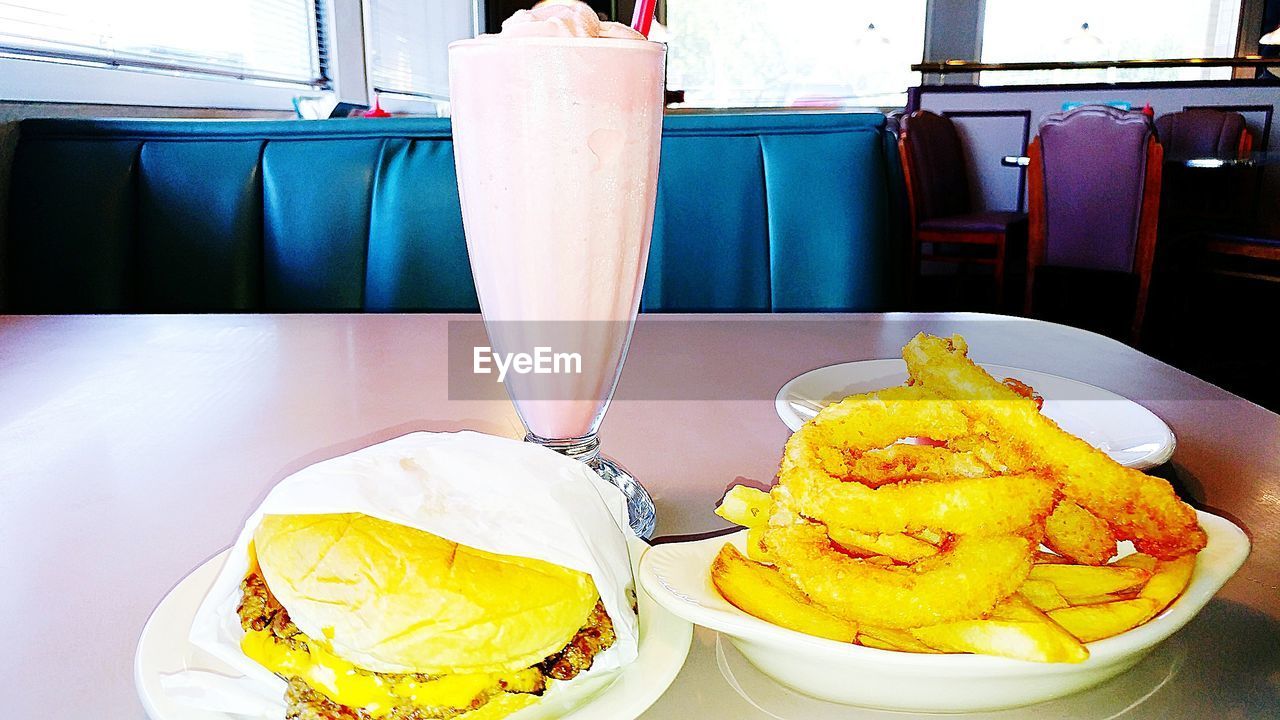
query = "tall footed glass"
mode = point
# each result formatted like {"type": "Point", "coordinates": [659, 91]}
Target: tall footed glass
{"type": "Point", "coordinates": [556, 143]}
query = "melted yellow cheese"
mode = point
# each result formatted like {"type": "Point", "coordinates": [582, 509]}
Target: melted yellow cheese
{"type": "Point", "coordinates": [342, 683]}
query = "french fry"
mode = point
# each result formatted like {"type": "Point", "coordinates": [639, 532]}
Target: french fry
{"type": "Point", "coordinates": [1095, 622]}
{"type": "Point", "coordinates": [746, 506]}
{"type": "Point", "coordinates": [1167, 582]}
{"type": "Point", "coordinates": [1048, 558]}
{"type": "Point", "coordinates": [1043, 594]}
{"type": "Point", "coordinates": [891, 639]}
{"type": "Point", "coordinates": [1138, 560]}
{"type": "Point", "coordinates": [761, 591]}
{"type": "Point", "coordinates": [1099, 599]}
{"type": "Point", "coordinates": [1018, 607]}
{"type": "Point", "coordinates": [1034, 640]}
{"type": "Point", "coordinates": [1015, 629]}
{"type": "Point", "coordinates": [755, 546]}
{"type": "Point", "coordinates": [901, 547]}
{"type": "Point", "coordinates": [1077, 581]}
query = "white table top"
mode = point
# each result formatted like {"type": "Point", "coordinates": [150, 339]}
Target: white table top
{"type": "Point", "coordinates": [133, 447]}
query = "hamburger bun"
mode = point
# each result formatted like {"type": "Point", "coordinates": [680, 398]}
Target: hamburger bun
{"type": "Point", "coordinates": [394, 599]}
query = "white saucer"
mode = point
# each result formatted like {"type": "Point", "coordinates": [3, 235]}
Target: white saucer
{"type": "Point", "coordinates": [163, 648]}
{"type": "Point", "coordinates": [1131, 434]}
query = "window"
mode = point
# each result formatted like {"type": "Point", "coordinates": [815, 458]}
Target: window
{"type": "Point", "coordinates": [752, 53]}
{"type": "Point", "coordinates": [1044, 30]}
{"type": "Point", "coordinates": [409, 42]}
{"type": "Point", "coordinates": [268, 40]}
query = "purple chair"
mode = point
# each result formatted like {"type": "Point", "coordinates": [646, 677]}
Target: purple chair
{"type": "Point", "coordinates": [1204, 132]}
{"type": "Point", "coordinates": [1196, 199]}
{"type": "Point", "coordinates": [1094, 186]}
{"type": "Point", "coordinates": [938, 201]}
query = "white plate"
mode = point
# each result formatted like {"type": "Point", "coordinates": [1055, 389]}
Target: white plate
{"type": "Point", "coordinates": [678, 576]}
{"type": "Point", "coordinates": [163, 648]}
{"type": "Point", "coordinates": [1131, 434]}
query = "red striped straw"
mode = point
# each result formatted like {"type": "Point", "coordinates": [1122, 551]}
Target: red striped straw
{"type": "Point", "coordinates": [642, 20]}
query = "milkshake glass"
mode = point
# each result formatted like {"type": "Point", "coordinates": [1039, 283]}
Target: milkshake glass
{"type": "Point", "coordinates": [557, 123]}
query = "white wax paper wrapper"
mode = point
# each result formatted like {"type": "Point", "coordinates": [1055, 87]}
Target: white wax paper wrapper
{"type": "Point", "coordinates": [495, 494]}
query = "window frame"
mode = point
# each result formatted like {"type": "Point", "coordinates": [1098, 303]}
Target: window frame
{"type": "Point", "coordinates": [1244, 45]}
{"type": "Point", "coordinates": [45, 79]}
{"type": "Point", "coordinates": [349, 68]}
{"type": "Point", "coordinates": [395, 102]}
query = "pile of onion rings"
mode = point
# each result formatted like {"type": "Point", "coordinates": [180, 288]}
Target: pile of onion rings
{"type": "Point", "coordinates": [905, 509]}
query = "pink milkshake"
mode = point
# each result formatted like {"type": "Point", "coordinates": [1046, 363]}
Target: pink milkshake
{"type": "Point", "coordinates": [557, 123]}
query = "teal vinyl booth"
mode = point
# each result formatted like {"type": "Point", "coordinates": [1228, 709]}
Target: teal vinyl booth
{"type": "Point", "coordinates": [758, 212]}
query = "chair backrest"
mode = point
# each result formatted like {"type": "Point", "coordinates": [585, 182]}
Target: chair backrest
{"type": "Point", "coordinates": [1094, 172]}
{"type": "Point", "coordinates": [933, 158]}
{"type": "Point", "coordinates": [1203, 132]}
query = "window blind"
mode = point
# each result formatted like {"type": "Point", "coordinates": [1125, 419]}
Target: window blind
{"type": "Point", "coordinates": [279, 40]}
{"type": "Point", "coordinates": [409, 42]}
{"type": "Point", "coordinates": [1031, 30]}
{"type": "Point", "coordinates": [801, 53]}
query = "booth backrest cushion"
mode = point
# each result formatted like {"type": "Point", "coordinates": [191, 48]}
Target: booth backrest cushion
{"type": "Point", "coordinates": [755, 213]}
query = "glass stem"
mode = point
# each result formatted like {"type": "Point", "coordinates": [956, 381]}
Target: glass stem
{"type": "Point", "coordinates": [586, 448]}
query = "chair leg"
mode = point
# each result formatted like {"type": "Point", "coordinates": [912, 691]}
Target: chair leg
{"type": "Point", "coordinates": [1139, 309]}
{"type": "Point", "coordinates": [999, 271]}
{"type": "Point", "coordinates": [1029, 294]}
{"type": "Point", "coordinates": [913, 276]}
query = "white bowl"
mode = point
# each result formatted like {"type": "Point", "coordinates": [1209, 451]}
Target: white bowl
{"type": "Point", "coordinates": [678, 577]}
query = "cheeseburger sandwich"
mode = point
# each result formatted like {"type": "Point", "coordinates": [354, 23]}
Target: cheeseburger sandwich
{"type": "Point", "coordinates": [405, 625]}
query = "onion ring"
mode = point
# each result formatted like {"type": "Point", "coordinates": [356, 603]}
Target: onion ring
{"type": "Point", "coordinates": [900, 462]}
{"type": "Point", "coordinates": [1136, 506]}
{"type": "Point", "coordinates": [965, 580]}
{"type": "Point", "coordinates": [1076, 533]}
{"type": "Point", "coordinates": [968, 506]}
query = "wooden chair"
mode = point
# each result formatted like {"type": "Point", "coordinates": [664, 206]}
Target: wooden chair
{"type": "Point", "coordinates": [939, 206]}
{"type": "Point", "coordinates": [1204, 133]}
{"type": "Point", "coordinates": [1200, 200]}
{"type": "Point", "coordinates": [1094, 193]}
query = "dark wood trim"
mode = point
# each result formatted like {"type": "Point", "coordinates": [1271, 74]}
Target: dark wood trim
{"type": "Point", "coordinates": [1144, 254]}
{"type": "Point", "coordinates": [1161, 85]}
{"type": "Point", "coordinates": [913, 234]}
{"type": "Point", "coordinates": [1246, 275]}
{"type": "Point", "coordinates": [1026, 138]}
{"type": "Point", "coordinates": [968, 66]}
{"type": "Point", "coordinates": [1243, 249]}
{"type": "Point", "coordinates": [1037, 222]}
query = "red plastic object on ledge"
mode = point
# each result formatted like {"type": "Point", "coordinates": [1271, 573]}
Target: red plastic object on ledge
{"type": "Point", "coordinates": [377, 111]}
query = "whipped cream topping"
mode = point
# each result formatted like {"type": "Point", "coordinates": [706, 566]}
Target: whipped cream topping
{"type": "Point", "coordinates": [564, 18]}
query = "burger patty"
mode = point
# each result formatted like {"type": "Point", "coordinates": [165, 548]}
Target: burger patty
{"type": "Point", "coordinates": [259, 610]}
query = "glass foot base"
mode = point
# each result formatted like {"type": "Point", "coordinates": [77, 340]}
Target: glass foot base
{"type": "Point", "coordinates": [640, 510]}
